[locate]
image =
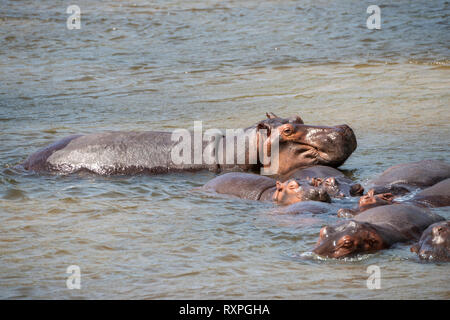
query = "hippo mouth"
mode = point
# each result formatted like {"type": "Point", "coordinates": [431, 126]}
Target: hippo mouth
{"type": "Point", "coordinates": [325, 145]}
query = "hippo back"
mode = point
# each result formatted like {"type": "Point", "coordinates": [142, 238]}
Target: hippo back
{"type": "Point", "coordinates": [435, 196]}
{"type": "Point", "coordinates": [422, 173]}
{"type": "Point", "coordinates": [240, 184]}
{"type": "Point", "coordinates": [407, 221]}
{"type": "Point", "coordinates": [317, 171]}
{"type": "Point", "coordinates": [314, 207]}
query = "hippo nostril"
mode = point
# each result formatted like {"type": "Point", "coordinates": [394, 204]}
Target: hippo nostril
{"type": "Point", "coordinates": [438, 230]}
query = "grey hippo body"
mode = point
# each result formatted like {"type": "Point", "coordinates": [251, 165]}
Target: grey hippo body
{"type": "Point", "coordinates": [256, 187]}
{"type": "Point", "coordinates": [402, 178]}
{"type": "Point", "coordinates": [150, 152]}
{"type": "Point", "coordinates": [374, 229]}
{"type": "Point", "coordinates": [437, 195]}
{"type": "Point", "coordinates": [312, 207]}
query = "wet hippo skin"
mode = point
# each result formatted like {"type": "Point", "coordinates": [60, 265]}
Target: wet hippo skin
{"type": "Point", "coordinates": [434, 244]}
{"type": "Point", "coordinates": [150, 152]}
{"type": "Point", "coordinates": [437, 195]}
{"type": "Point", "coordinates": [262, 188]}
{"type": "Point", "coordinates": [374, 229]}
{"type": "Point", "coordinates": [421, 174]}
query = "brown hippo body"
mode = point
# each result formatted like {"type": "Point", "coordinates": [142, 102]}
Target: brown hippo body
{"type": "Point", "coordinates": [434, 244]}
{"type": "Point", "coordinates": [152, 152]}
{"type": "Point", "coordinates": [374, 229]}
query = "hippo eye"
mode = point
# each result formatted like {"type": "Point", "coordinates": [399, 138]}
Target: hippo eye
{"type": "Point", "coordinates": [293, 185]}
{"type": "Point", "coordinates": [287, 130]}
{"type": "Point", "coordinates": [347, 244]}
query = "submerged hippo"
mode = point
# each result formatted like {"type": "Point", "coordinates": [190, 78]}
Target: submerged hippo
{"type": "Point", "coordinates": [435, 196]}
{"type": "Point", "coordinates": [374, 229]}
{"type": "Point", "coordinates": [292, 191]}
{"type": "Point", "coordinates": [151, 152]}
{"type": "Point", "coordinates": [317, 171]}
{"type": "Point", "coordinates": [434, 244]}
{"type": "Point", "coordinates": [262, 188]}
{"type": "Point", "coordinates": [418, 174]}
{"type": "Point", "coordinates": [313, 207]}
{"type": "Point", "coordinates": [432, 197]}
{"type": "Point", "coordinates": [367, 201]}
{"type": "Point", "coordinates": [332, 180]}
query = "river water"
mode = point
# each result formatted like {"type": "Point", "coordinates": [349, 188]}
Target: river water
{"type": "Point", "coordinates": [161, 65]}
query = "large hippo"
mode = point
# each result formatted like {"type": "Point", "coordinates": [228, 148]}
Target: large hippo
{"type": "Point", "coordinates": [256, 187]}
{"type": "Point", "coordinates": [423, 173]}
{"type": "Point", "coordinates": [434, 244]}
{"type": "Point", "coordinates": [374, 229]}
{"type": "Point", "coordinates": [152, 152]}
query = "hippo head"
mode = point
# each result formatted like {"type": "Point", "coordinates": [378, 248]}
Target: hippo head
{"type": "Point", "coordinates": [348, 238]}
{"type": "Point", "coordinates": [371, 200]}
{"type": "Point", "coordinates": [335, 188]}
{"type": "Point", "coordinates": [291, 192]}
{"type": "Point", "coordinates": [435, 243]}
{"type": "Point", "coordinates": [303, 145]}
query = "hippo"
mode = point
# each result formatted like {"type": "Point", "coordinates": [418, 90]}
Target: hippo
{"type": "Point", "coordinates": [431, 197]}
{"type": "Point", "coordinates": [434, 244]}
{"type": "Point", "coordinates": [437, 195]}
{"type": "Point", "coordinates": [370, 200]}
{"type": "Point", "coordinates": [292, 191]}
{"type": "Point", "coordinates": [256, 187]}
{"type": "Point", "coordinates": [317, 171]}
{"type": "Point", "coordinates": [338, 187]}
{"type": "Point", "coordinates": [308, 206]}
{"type": "Point", "coordinates": [151, 152]}
{"type": "Point", "coordinates": [423, 173]}
{"type": "Point", "coordinates": [331, 179]}
{"type": "Point", "coordinates": [374, 229]}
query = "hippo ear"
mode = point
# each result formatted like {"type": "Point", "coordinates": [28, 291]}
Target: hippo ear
{"type": "Point", "coordinates": [356, 190]}
{"type": "Point", "coordinates": [271, 115]}
{"type": "Point", "coordinates": [325, 232]}
{"type": "Point", "coordinates": [298, 119]}
{"type": "Point", "coordinates": [371, 192]}
{"type": "Point", "coordinates": [264, 126]}
{"type": "Point", "coordinates": [387, 197]}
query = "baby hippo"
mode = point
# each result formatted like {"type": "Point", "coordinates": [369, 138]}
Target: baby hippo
{"type": "Point", "coordinates": [368, 201]}
{"type": "Point", "coordinates": [434, 245]}
{"type": "Point", "coordinates": [291, 191]}
{"type": "Point", "coordinates": [338, 187]}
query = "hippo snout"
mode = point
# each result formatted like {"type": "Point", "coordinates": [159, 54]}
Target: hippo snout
{"type": "Point", "coordinates": [335, 144]}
